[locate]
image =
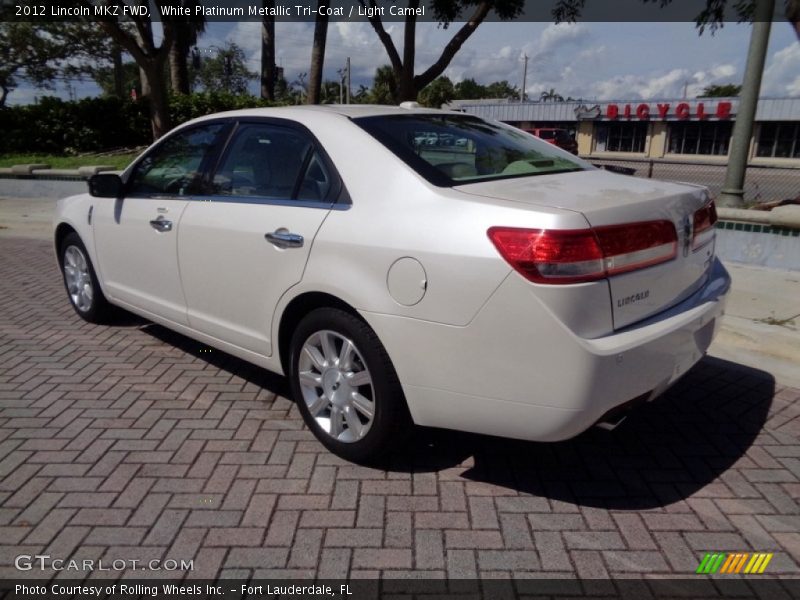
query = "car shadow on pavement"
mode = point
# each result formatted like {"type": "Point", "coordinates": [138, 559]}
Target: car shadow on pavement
{"type": "Point", "coordinates": [666, 451]}
{"type": "Point", "coordinates": [251, 373]}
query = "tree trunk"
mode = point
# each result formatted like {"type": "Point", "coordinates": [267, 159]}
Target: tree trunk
{"type": "Point", "coordinates": [317, 56]}
{"type": "Point", "coordinates": [3, 94]}
{"type": "Point", "coordinates": [151, 61]}
{"type": "Point", "coordinates": [406, 90]}
{"type": "Point", "coordinates": [116, 56]}
{"type": "Point", "coordinates": [157, 97]}
{"type": "Point", "coordinates": [408, 84]}
{"type": "Point", "coordinates": [178, 69]}
{"type": "Point", "coordinates": [144, 83]}
{"type": "Point", "coordinates": [268, 54]}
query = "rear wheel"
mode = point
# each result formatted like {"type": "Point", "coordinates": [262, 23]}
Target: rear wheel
{"type": "Point", "coordinates": [346, 387]}
{"type": "Point", "coordinates": [80, 280]}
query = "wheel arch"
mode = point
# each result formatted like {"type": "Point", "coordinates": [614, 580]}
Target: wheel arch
{"type": "Point", "coordinates": [298, 308]}
{"type": "Point", "coordinates": [62, 231]}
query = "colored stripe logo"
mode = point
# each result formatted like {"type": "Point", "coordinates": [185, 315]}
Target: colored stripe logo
{"type": "Point", "coordinates": [734, 562]}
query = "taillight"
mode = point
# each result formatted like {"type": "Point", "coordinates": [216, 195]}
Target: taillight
{"type": "Point", "coordinates": [580, 255]}
{"type": "Point", "coordinates": [704, 220]}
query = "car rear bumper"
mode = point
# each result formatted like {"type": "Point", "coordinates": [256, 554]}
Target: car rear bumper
{"type": "Point", "coordinates": [517, 371]}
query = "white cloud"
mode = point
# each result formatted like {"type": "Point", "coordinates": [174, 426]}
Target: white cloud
{"type": "Point", "coordinates": [556, 36]}
{"type": "Point", "coordinates": [781, 76]}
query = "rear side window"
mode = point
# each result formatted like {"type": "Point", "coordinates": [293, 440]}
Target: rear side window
{"type": "Point", "coordinates": [453, 149]}
{"type": "Point", "coordinates": [264, 161]}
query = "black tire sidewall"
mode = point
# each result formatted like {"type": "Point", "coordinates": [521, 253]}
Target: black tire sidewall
{"type": "Point", "coordinates": [390, 418]}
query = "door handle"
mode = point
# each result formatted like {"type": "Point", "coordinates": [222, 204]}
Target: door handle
{"type": "Point", "coordinates": [282, 238]}
{"type": "Point", "coordinates": [161, 224]}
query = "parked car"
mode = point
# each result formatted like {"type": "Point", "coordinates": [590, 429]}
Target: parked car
{"type": "Point", "coordinates": [557, 137]}
{"type": "Point", "coordinates": [519, 292]}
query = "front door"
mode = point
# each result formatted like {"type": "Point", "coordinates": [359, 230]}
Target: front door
{"type": "Point", "coordinates": [136, 236]}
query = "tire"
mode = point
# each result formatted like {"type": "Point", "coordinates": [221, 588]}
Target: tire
{"type": "Point", "coordinates": [80, 281]}
{"type": "Point", "coordinates": [346, 387]}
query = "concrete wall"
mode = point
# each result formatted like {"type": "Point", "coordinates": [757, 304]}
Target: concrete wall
{"type": "Point", "coordinates": [40, 188]}
{"type": "Point", "coordinates": [759, 245]}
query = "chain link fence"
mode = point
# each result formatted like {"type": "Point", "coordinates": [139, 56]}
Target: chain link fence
{"type": "Point", "coordinates": [762, 183]}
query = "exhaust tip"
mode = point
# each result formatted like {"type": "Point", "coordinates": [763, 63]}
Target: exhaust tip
{"type": "Point", "coordinates": [614, 417]}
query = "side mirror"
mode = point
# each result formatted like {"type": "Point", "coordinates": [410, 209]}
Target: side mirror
{"type": "Point", "coordinates": [105, 185]}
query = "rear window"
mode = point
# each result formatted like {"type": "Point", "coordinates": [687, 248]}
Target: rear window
{"type": "Point", "coordinates": [454, 149]}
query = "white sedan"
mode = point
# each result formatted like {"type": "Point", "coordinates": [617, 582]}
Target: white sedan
{"type": "Point", "coordinates": [499, 285]}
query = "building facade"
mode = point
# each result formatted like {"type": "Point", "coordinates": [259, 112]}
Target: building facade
{"type": "Point", "coordinates": [677, 129]}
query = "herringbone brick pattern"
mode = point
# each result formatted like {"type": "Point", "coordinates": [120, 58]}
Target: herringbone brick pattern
{"type": "Point", "coordinates": [131, 442]}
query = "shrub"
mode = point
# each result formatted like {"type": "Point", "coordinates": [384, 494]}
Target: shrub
{"type": "Point", "coordinates": [55, 126]}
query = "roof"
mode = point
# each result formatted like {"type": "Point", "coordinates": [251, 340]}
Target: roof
{"type": "Point", "coordinates": [344, 110]}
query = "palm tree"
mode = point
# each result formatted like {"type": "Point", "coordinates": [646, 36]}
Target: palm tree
{"type": "Point", "coordinates": [187, 30]}
{"type": "Point", "coordinates": [317, 54]}
{"type": "Point", "coordinates": [384, 86]}
{"type": "Point", "coordinates": [551, 96]}
{"type": "Point", "coordinates": [268, 70]}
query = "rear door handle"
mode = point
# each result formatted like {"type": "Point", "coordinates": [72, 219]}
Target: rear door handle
{"type": "Point", "coordinates": [161, 224]}
{"type": "Point", "coordinates": [283, 238]}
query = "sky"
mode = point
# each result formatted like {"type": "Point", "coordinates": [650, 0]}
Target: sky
{"type": "Point", "coordinates": [588, 60]}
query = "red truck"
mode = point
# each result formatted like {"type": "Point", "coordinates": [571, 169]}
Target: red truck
{"type": "Point", "coordinates": [557, 137]}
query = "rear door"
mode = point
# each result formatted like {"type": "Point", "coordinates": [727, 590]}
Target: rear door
{"type": "Point", "coordinates": [243, 247]}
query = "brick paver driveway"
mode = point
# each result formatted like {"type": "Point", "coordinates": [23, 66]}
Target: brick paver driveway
{"type": "Point", "coordinates": [131, 442]}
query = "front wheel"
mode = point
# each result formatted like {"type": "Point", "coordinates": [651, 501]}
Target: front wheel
{"type": "Point", "coordinates": [346, 387]}
{"type": "Point", "coordinates": [80, 280]}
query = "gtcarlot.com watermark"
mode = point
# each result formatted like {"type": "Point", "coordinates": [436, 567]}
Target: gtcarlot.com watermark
{"type": "Point", "coordinates": [45, 562]}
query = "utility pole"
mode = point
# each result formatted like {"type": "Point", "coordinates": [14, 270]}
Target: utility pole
{"type": "Point", "coordinates": [524, 78]}
{"type": "Point", "coordinates": [732, 193]}
{"type": "Point", "coordinates": [348, 79]}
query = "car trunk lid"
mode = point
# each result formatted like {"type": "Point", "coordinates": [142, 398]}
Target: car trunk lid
{"type": "Point", "coordinates": [607, 200]}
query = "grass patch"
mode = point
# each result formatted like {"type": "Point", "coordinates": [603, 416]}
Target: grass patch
{"type": "Point", "coordinates": [118, 161]}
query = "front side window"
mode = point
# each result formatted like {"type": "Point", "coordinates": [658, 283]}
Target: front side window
{"type": "Point", "coordinates": [453, 149]}
{"type": "Point", "coordinates": [272, 162]}
{"type": "Point", "coordinates": [176, 166]}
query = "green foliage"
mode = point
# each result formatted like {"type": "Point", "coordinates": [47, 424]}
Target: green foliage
{"type": "Point", "coordinates": [104, 78]}
{"type": "Point", "coordinates": [384, 86]}
{"type": "Point", "coordinates": [725, 90]}
{"type": "Point", "coordinates": [551, 95]}
{"type": "Point", "coordinates": [39, 52]}
{"type": "Point", "coordinates": [501, 89]}
{"type": "Point", "coordinates": [439, 91]}
{"type": "Point", "coordinates": [447, 11]}
{"type": "Point", "coordinates": [54, 126]}
{"type": "Point", "coordinates": [226, 69]}
{"type": "Point", "coordinates": [469, 89]}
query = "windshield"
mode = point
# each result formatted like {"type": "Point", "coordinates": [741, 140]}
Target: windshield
{"type": "Point", "coordinates": [452, 149]}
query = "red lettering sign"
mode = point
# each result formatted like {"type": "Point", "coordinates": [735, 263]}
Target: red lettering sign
{"type": "Point", "coordinates": [683, 111]}
{"type": "Point", "coordinates": [701, 111]}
